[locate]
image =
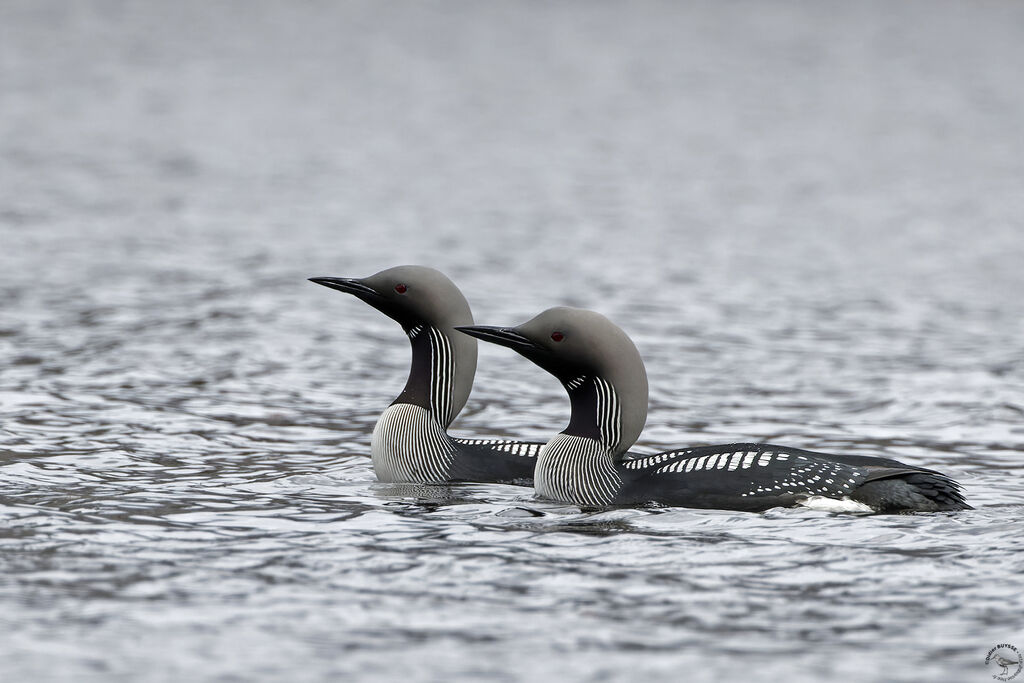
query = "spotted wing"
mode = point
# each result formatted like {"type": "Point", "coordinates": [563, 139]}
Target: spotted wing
{"type": "Point", "coordinates": [499, 461]}
{"type": "Point", "coordinates": [744, 476]}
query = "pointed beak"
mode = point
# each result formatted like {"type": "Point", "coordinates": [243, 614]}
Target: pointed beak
{"type": "Point", "coordinates": [346, 284]}
{"type": "Point", "coordinates": [503, 336]}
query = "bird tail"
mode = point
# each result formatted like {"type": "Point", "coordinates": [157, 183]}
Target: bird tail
{"type": "Point", "coordinates": [911, 490]}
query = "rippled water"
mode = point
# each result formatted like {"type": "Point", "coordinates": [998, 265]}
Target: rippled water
{"type": "Point", "coordinates": [809, 217]}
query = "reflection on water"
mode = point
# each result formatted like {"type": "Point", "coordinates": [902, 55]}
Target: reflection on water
{"type": "Point", "coordinates": [808, 217]}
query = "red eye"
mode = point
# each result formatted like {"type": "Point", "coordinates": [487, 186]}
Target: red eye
{"type": "Point", "coordinates": [557, 336]}
{"type": "Point", "coordinates": [401, 289]}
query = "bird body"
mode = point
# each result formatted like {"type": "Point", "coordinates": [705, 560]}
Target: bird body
{"type": "Point", "coordinates": [410, 442]}
{"type": "Point", "coordinates": [588, 462]}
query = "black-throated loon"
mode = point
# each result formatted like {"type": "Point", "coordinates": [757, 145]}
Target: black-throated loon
{"type": "Point", "coordinates": [410, 441]}
{"type": "Point", "coordinates": [604, 375]}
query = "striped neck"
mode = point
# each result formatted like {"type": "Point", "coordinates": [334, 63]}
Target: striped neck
{"type": "Point", "coordinates": [596, 412]}
{"type": "Point", "coordinates": [431, 382]}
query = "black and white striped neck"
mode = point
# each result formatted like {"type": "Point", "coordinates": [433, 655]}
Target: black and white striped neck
{"type": "Point", "coordinates": [596, 412]}
{"type": "Point", "coordinates": [431, 383]}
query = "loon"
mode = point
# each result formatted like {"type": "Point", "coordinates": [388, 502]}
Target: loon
{"type": "Point", "coordinates": [410, 442]}
{"type": "Point", "coordinates": [587, 463]}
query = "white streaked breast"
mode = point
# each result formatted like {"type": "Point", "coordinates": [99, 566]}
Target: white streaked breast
{"type": "Point", "coordinates": [575, 469]}
{"type": "Point", "coordinates": [408, 445]}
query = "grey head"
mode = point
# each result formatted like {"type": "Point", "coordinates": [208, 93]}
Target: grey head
{"type": "Point", "coordinates": [583, 348]}
{"type": "Point", "coordinates": [422, 299]}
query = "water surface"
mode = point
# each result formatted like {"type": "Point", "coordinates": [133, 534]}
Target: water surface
{"type": "Point", "coordinates": [807, 215]}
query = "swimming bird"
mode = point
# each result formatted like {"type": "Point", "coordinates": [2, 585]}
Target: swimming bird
{"type": "Point", "coordinates": [410, 441]}
{"type": "Point", "coordinates": [587, 463]}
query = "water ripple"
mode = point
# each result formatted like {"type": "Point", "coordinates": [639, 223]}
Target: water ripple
{"type": "Point", "coordinates": [807, 218]}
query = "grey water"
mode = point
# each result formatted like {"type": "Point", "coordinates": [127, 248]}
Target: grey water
{"type": "Point", "coordinates": [809, 216]}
